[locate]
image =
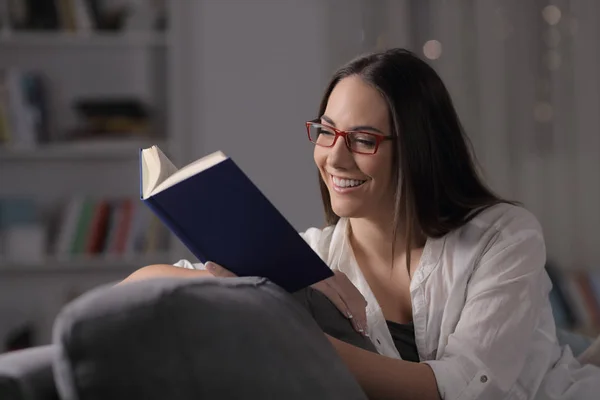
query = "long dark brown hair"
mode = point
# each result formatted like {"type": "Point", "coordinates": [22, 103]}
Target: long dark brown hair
{"type": "Point", "coordinates": [438, 188]}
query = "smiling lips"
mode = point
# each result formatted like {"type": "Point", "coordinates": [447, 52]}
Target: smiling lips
{"type": "Point", "coordinates": [342, 185]}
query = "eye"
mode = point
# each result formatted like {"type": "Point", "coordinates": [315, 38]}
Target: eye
{"type": "Point", "coordinates": [322, 130]}
{"type": "Point", "coordinates": [364, 140]}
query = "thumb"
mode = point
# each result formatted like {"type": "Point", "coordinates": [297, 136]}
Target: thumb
{"type": "Point", "coordinates": [218, 271]}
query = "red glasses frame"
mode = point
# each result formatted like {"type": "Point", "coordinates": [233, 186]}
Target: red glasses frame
{"type": "Point", "coordinates": [338, 132]}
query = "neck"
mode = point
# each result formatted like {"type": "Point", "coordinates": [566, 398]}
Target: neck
{"type": "Point", "coordinates": [375, 239]}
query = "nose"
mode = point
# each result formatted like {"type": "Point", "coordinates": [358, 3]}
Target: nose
{"type": "Point", "coordinates": [340, 156]}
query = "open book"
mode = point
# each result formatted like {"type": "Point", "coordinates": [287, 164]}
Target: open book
{"type": "Point", "coordinates": [221, 216]}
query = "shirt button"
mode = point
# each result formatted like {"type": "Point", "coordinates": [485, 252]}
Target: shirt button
{"type": "Point", "coordinates": [483, 379]}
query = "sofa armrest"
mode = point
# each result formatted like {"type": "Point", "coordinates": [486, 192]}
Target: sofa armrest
{"type": "Point", "coordinates": [27, 374]}
{"type": "Point", "coordinates": [197, 338]}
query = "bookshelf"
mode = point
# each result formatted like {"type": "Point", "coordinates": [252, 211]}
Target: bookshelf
{"type": "Point", "coordinates": [98, 150]}
{"type": "Point", "coordinates": [78, 265]}
{"type": "Point", "coordinates": [59, 39]}
{"type": "Point", "coordinates": [575, 298]}
{"type": "Point", "coordinates": [67, 157]}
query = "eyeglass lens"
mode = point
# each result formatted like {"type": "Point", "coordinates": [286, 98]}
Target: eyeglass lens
{"type": "Point", "coordinates": [361, 142]}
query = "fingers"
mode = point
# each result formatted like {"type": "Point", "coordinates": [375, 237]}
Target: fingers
{"type": "Point", "coordinates": [359, 326]}
{"type": "Point", "coordinates": [353, 302]}
{"type": "Point", "coordinates": [353, 298]}
{"type": "Point", "coordinates": [218, 271]}
{"type": "Point", "coordinates": [334, 297]}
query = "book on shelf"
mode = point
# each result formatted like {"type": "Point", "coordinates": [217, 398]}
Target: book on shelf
{"type": "Point", "coordinates": [575, 299]}
{"type": "Point", "coordinates": [220, 215]}
{"type": "Point", "coordinates": [117, 228]}
{"type": "Point", "coordinates": [23, 235]}
{"type": "Point", "coordinates": [25, 123]}
{"type": "Point", "coordinates": [23, 109]}
{"type": "Point", "coordinates": [86, 230]}
{"type": "Point", "coordinates": [80, 16]}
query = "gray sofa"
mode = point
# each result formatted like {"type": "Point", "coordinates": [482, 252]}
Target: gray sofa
{"type": "Point", "coordinates": [182, 339]}
{"type": "Point", "coordinates": [27, 374]}
{"type": "Point", "coordinates": [196, 339]}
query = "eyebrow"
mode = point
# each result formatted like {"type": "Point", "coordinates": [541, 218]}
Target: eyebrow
{"type": "Point", "coordinates": [354, 128]}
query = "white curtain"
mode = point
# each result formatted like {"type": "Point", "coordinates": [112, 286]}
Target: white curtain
{"type": "Point", "coordinates": [524, 75]}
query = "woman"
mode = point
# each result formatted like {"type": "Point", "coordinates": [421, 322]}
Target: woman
{"type": "Point", "coordinates": [453, 276]}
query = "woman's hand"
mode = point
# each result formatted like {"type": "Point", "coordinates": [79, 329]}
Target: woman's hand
{"type": "Point", "coordinates": [338, 289]}
{"type": "Point", "coordinates": [218, 271]}
{"type": "Point", "coordinates": [346, 298]}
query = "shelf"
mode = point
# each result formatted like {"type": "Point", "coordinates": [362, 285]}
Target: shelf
{"type": "Point", "coordinates": [55, 38]}
{"type": "Point", "coordinates": [83, 264]}
{"type": "Point", "coordinates": [83, 150]}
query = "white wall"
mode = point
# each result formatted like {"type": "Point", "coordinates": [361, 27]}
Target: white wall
{"type": "Point", "coordinates": [261, 68]}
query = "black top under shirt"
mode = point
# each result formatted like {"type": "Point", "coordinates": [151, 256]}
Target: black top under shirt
{"type": "Point", "coordinates": [404, 339]}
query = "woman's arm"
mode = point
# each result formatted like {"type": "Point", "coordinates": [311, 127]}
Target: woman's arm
{"type": "Point", "coordinates": [164, 270]}
{"type": "Point", "coordinates": [387, 378]}
{"type": "Point", "coordinates": [506, 295]}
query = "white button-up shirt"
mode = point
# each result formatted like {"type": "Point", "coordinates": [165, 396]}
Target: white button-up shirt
{"type": "Point", "coordinates": [481, 312]}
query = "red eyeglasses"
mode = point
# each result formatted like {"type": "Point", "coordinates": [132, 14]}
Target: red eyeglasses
{"type": "Point", "coordinates": [359, 142]}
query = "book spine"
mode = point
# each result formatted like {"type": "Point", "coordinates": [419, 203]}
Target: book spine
{"type": "Point", "coordinates": [155, 206]}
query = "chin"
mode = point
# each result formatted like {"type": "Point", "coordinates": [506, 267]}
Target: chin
{"type": "Point", "coordinates": [345, 210]}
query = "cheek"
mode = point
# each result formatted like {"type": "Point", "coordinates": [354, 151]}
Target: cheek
{"type": "Point", "coordinates": [372, 168]}
{"type": "Point", "coordinates": [378, 168]}
{"type": "Point", "coordinates": [319, 156]}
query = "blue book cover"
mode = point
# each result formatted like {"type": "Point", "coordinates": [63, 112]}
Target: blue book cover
{"type": "Point", "coordinates": [220, 215]}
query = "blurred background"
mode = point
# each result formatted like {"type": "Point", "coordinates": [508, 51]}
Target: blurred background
{"type": "Point", "coordinates": [85, 83]}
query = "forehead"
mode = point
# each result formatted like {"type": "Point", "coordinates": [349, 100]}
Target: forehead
{"type": "Point", "coordinates": [353, 102]}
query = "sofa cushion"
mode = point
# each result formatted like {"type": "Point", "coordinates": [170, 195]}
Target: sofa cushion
{"type": "Point", "coordinates": [27, 374]}
{"type": "Point", "coordinates": [197, 338]}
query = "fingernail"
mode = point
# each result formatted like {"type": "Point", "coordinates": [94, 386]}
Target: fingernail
{"type": "Point", "coordinates": [348, 315]}
{"type": "Point", "coordinates": [210, 266]}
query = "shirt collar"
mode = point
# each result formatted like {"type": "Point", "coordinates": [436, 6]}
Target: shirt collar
{"type": "Point", "coordinates": [341, 249]}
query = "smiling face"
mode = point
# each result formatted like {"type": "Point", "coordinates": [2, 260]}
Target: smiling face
{"type": "Point", "coordinates": [359, 185]}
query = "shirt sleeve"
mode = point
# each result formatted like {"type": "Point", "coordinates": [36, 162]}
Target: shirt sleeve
{"type": "Point", "coordinates": [312, 236]}
{"type": "Point", "coordinates": [188, 265]}
{"type": "Point", "coordinates": [505, 297]}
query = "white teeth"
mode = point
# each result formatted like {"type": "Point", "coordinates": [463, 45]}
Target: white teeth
{"type": "Point", "coordinates": [346, 182]}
